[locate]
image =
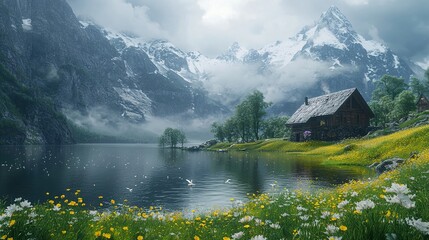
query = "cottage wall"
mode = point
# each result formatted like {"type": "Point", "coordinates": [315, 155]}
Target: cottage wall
{"type": "Point", "coordinates": [350, 120]}
{"type": "Point", "coordinates": [422, 104]}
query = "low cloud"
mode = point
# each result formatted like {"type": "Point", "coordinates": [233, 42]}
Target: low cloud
{"type": "Point", "coordinates": [102, 121]}
{"type": "Point", "coordinates": [228, 80]}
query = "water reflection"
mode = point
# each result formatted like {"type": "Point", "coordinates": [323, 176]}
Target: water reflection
{"type": "Point", "coordinates": [146, 175]}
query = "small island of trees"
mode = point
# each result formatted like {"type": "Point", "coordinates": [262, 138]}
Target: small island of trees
{"type": "Point", "coordinates": [171, 137]}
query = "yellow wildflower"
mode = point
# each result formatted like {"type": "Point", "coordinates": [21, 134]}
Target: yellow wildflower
{"type": "Point", "coordinates": [63, 231]}
{"type": "Point", "coordinates": [343, 228]}
{"type": "Point", "coordinates": [51, 202]}
{"type": "Point", "coordinates": [262, 206]}
{"type": "Point", "coordinates": [71, 212]}
{"type": "Point", "coordinates": [107, 235]}
{"type": "Point", "coordinates": [97, 233]}
{"type": "Point", "coordinates": [140, 237]}
{"type": "Point", "coordinates": [112, 229]}
{"type": "Point", "coordinates": [247, 226]}
{"type": "Point", "coordinates": [112, 202]}
{"type": "Point", "coordinates": [80, 200]}
{"type": "Point", "coordinates": [226, 238]}
{"type": "Point", "coordinates": [100, 197]}
{"type": "Point", "coordinates": [63, 196]}
{"type": "Point", "coordinates": [47, 193]}
{"type": "Point", "coordinates": [3, 237]}
{"type": "Point", "coordinates": [11, 223]}
{"type": "Point", "coordinates": [125, 228]}
{"type": "Point", "coordinates": [196, 238]}
{"type": "Point", "coordinates": [388, 213]}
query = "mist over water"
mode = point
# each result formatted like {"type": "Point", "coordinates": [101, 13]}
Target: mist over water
{"type": "Point", "coordinates": [157, 176]}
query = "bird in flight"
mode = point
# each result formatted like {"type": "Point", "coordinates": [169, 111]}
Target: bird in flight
{"type": "Point", "coordinates": [190, 183]}
{"type": "Point", "coordinates": [228, 181]}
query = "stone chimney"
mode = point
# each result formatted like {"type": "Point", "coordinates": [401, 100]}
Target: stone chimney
{"type": "Point", "coordinates": [306, 100]}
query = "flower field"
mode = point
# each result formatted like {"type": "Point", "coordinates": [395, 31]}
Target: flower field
{"type": "Point", "coordinates": [392, 206]}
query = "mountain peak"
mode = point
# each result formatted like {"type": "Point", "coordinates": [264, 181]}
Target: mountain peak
{"type": "Point", "coordinates": [335, 20]}
{"type": "Point", "coordinates": [235, 52]}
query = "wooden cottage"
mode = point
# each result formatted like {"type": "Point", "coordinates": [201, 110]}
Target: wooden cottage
{"type": "Point", "coordinates": [330, 117]}
{"type": "Point", "coordinates": [422, 104]}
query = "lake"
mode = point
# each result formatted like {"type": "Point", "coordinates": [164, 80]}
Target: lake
{"type": "Point", "coordinates": [146, 175]}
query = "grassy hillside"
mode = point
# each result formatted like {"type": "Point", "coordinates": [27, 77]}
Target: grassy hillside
{"type": "Point", "coordinates": [352, 151]}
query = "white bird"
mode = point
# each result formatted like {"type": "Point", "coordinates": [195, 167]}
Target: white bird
{"type": "Point", "coordinates": [190, 183]}
{"type": "Point", "coordinates": [129, 189]}
{"type": "Point", "coordinates": [273, 184]}
{"type": "Point", "coordinates": [228, 181]}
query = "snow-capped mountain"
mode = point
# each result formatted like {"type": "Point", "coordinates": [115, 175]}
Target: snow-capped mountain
{"type": "Point", "coordinates": [326, 56]}
{"type": "Point", "coordinates": [86, 69]}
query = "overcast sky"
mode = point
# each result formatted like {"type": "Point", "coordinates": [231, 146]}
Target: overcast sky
{"type": "Point", "coordinates": [211, 26]}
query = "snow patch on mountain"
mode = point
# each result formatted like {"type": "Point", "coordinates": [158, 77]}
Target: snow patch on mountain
{"type": "Point", "coordinates": [325, 37]}
{"type": "Point", "coordinates": [281, 53]}
{"type": "Point", "coordinates": [137, 105]}
{"type": "Point", "coordinates": [84, 24]}
{"type": "Point", "coordinates": [373, 48]}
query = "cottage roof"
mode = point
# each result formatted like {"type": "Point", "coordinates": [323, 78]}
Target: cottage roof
{"type": "Point", "coordinates": [321, 106]}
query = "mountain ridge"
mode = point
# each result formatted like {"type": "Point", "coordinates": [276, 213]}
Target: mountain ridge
{"type": "Point", "coordinates": [84, 67]}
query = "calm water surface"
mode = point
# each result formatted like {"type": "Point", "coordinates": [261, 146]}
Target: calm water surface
{"type": "Point", "coordinates": [157, 176]}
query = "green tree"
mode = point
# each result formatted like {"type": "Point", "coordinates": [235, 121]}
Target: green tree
{"type": "Point", "coordinates": [275, 127]}
{"type": "Point", "coordinates": [242, 121]}
{"type": "Point", "coordinates": [382, 109]}
{"type": "Point", "coordinates": [257, 107]}
{"type": "Point", "coordinates": [171, 137]}
{"type": "Point", "coordinates": [418, 87]}
{"type": "Point", "coordinates": [230, 130]}
{"type": "Point", "coordinates": [404, 104]}
{"type": "Point", "coordinates": [218, 131]}
{"type": "Point", "coordinates": [181, 138]}
{"type": "Point", "coordinates": [246, 123]}
{"type": "Point", "coordinates": [388, 86]}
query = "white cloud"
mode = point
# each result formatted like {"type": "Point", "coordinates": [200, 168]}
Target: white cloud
{"type": "Point", "coordinates": [120, 15]}
{"type": "Point", "coordinates": [357, 2]}
{"type": "Point", "coordinates": [219, 12]}
{"type": "Point", "coordinates": [229, 80]}
{"type": "Point", "coordinates": [424, 63]}
{"type": "Point", "coordinates": [374, 34]}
